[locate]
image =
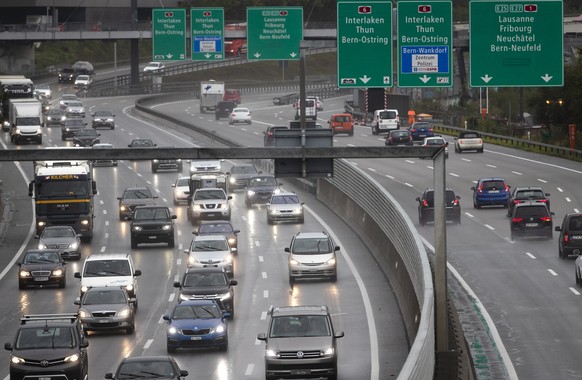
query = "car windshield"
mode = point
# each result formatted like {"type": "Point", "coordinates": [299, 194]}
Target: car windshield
{"type": "Point", "coordinates": [151, 214]}
{"type": "Point", "coordinates": [449, 197]}
{"type": "Point", "coordinates": [387, 115]}
{"type": "Point", "coordinates": [41, 257]}
{"type": "Point", "coordinates": [531, 211]}
{"type": "Point", "coordinates": [99, 268]}
{"type": "Point", "coordinates": [316, 245]}
{"type": "Point", "coordinates": [137, 194]}
{"type": "Point", "coordinates": [87, 132]}
{"type": "Point", "coordinates": [575, 223]}
{"type": "Point", "coordinates": [265, 181]}
{"type": "Point", "coordinates": [435, 142]}
{"type": "Point", "coordinates": [209, 245]}
{"type": "Point", "coordinates": [44, 337]}
{"type": "Point", "coordinates": [103, 114]}
{"type": "Point", "coordinates": [243, 170]}
{"type": "Point", "coordinates": [205, 279]}
{"type": "Point", "coordinates": [196, 312]}
{"type": "Point", "coordinates": [182, 182]}
{"type": "Point", "coordinates": [101, 297]}
{"type": "Point", "coordinates": [146, 370]}
{"type": "Point", "coordinates": [215, 227]}
{"type": "Point", "coordinates": [57, 232]}
{"type": "Point", "coordinates": [146, 143]}
{"type": "Point", "coordinates": [492, 185]}
{"type": "Point", "coordinates": [299, 326]}
{"type": "Point", "coordinates": [209, 194]}
{"type": "Point", "coordinates": [285, 199]}
{"type": "Point", "coordinates": [530, 194]}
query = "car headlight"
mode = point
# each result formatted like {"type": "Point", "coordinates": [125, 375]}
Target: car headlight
{"type": "Point", "coordinates": [58, 272]}
{"type": "Point", "coordinates": [231, 241]}
{"type": "Point", "coordinates": [294, 262]}
{"type": "Point", "coordinates": [224, 296]}
{"type": "Point", "coordinates": [24, 273]}
{"type": "Point", "coordinates": [136, 228]}
{"type": "Point", "coordinates": [49, 118]}
{"type": "Point", "coordinates": [167, 227]}
{"type": "Point", "coordinates": [41, 224]}
{"type": "Point", "coordinates": [192, 260]}
{"type": "Point", "coordinates": [219, 329]}
{"type": "Point", "coordinates": [331, 261]}
{"type": "Point", "coordinates": [71, 359]}
{"type": "Point", "coordinates": [16, 360]}
{"type": "Point", "coordinates": [172, 330]}
{"type": "Point", "coordinates": [272, 354]}
{"type": "Point", "coordinates": [297, 211]}
{"type": "Point", "coordinates": [124, 313]}
{"type": "Point", "coordinates": [41, 246]}
{"type": "Point", "coordinates": [122, 208]}
{"type": "Point", "coordinates": [84, 288]}
{"type": "Point", "coordinates": [110, 120]}
{"type": "Point", "coordinates": [227, 259]}
{"type": "Point", "coordinates": [276, 191]}
{"type": "Point", "coordinates": [184, 297]}
{"type": "Point", "coordinates": [196, 207]}
{"type": "Point", "coordinates": [250, 193]}
{"type": "Point", "coordinates": [84, 314]}
{"type": "Point", "coordinates": [327, 351]}
{"type": "Point", "coordinates": [129, 287]}
{"type": "Point", "coordinates": [156, 160]}
{"type": "Point", "coordinates": [85, 222]}
{"type": "Point", "coordinates": [63, 118]}
{"type": "Point", "coordinates": [232, 180]}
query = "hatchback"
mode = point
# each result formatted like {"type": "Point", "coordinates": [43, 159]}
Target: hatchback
{"type": "Point", "coordinates": [426, 207]}
{"type": "Point", "coordinates": [240, 115]}
{"type": "Point", "coordinates": [420, 130]}
{"type": "Point", "coordinates": [570, 240]}
{"type": "Point", "coordinates": [269, 134]}
{"type": "Point", "coordinates": [490, 192]}
{"type": "Point", "coordinates": [398, 137]}
{"type": "Point", "coordinates": [531, 219]}
{"type": "Point", "coordinates": [527, 193]}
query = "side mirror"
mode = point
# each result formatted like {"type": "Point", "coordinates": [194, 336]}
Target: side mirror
{"type": "Point", "coordinates": [337, 248]}
{"type": "Point", "coordinates": [233, 282]}
{"type": "Point", "coordinates": [418, 199]}
{"type": "Point", "coordinates": [166, 317]}
{"type": "Point", "coordinates": [177, 285]}
{"type": "Point", "coordinates": [339, 334]}
{"type": "Point", "coordinates": [77, 301]}
{"type": "Point", "coordinates": [473, 188]}
{"type": "Point", "coordinates": [558, 228]}
{"type": "Point", "coordinates": [287, 249]}
{"type": "Point", "coordinates": [77, 275]}
{"type": "Point", "coordinates": [235, 232]}
{"type": "Point", "coordinates": [174, 217]}
{"type": "Point", "coordinates": [8, 346]}
{"type": "Point", "coordinates": [261, 336]}
{"type": "Point", "coordinates": [137, 272]}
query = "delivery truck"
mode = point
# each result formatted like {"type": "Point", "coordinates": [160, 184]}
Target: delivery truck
{"type": "Point", "coordinates": [211, 92]}
{"type": "Point", "coordinates": [26, 120]}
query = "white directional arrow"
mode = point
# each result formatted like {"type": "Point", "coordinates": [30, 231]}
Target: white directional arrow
{"type": "Point", "coordinates": [486, 78]}
{"type": "Point", "coordinates": [293, 55]}
{"type": "Point", "coordinates": [257, 55]}
{"type": "Point", "coordinates": [365, 79]}
{"type": "Point", "coordinates": [547, 78]}
{"type": "Point", "coordinates": [424, 78]}
{"type": "Point", "coordinates": [207, 55]}
{"type": "Point", "coordinates": [169, 55]}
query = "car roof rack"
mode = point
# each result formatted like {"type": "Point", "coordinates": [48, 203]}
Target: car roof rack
{"type": "Point", "coordinates": [72, 317]}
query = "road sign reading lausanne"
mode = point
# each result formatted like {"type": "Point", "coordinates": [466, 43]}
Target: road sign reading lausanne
{"type": "Point", "coordinates": [207, 28]}
{"type": "Point", "coordinates": [364, 44]}
{"type": "Point", "coordinates": [274, 33]}
{"type": "Point", "coordinates": [425, 42]}
{"type": "Point", "coordinates": [516, 43]}
{"type": "Point", "coordinates": [169, 34]}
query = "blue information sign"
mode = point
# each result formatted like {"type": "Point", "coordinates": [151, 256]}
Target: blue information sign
{"type": "Point", "coordinates": [425, 59]}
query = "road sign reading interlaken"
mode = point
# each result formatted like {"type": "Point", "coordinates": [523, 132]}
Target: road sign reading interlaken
{"type": "Point", "coordinates": [169, 34]}
{"type": "Point", "coordinates": [274, 33]}
{"type": "Point", "coordinates": [516, 43]}
{"type": "Point", "coordinates": [364, 44]}
{"type": "Point", "coordinates": [207, 28]}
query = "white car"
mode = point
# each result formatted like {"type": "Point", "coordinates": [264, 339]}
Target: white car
{"type": "Point", "coordinates": [181, 190]}
{"type": "Point", "coordinates": [210, 251]}
{"type": "Point", "coordinates": [66, 99]}
{"type": "Point", "coordinates": [240, 115]}
{"type": "Point", "coordinates": [285, 206]}
{"type": "Point", "coordinates": [318, 102]}
{"type": "Point", "coordinates": [155, 68]}
{"type": "Point", "coordinates": [83, 81]}
{"type": "Point", "coordinates": [436, 141]}
{"type": "Point", "coordinates": [468, 140]}
{"type": "Point", "coordinates": [43, 90]}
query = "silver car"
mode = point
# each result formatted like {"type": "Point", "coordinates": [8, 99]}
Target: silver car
{"type": "Point", "coordinates": [63, 238]}
{"type": "Point", "coordinates": [285, 207]}
{"type": "Point", "coordinates": [312, 255]}
{"type": "Point", "coordinates": [75, 109]}
{"type": "Point", "coordinates": [107, 308]}
{"type": "Point", "coordinates": [211, 251]}
{"type": "Point", "coordinates": [181, 190]}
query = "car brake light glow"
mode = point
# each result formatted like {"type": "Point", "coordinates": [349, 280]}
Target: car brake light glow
{"type": "Point", "coordinates": [543, 200]}
{"type": "Point", "coordinates": [517, 220]}
{"type": "Point", "coordinates": [413, 130]}
{"type": "Point", "coordinates": [506, 188]}
{"type": "Point", "coordinates": [456, 202]}
{"type": "Point", "coordinates": [517, 201]}
{"type": "Point", "coordinates": [566, 238]}
{"type": "Point", "coordinates": [425, 203]}
{"type": "Point", "coordinates": [430, 129]}
{"type": "Point", "coordinates": [546, 219]}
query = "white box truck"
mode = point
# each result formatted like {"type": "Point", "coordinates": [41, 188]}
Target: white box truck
{"type": "Point", "coordinates": [26, 120]}
{"type": "Point", "coordinates": [211, 92]}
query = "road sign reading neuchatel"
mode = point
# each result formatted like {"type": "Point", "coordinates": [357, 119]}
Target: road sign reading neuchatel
{"type": "Point", "coordinates": [425, 42]}
{"type": "Point", "coordinates": [364, 43]}
{"type": "Point", "coordinates": [169, 34]}
{"type": "Point", "coordinates": [516, 43]}
{"type": "Point", "coordinates": [274, 33]}
{"type": "Point", "coordinates": [207, 28]}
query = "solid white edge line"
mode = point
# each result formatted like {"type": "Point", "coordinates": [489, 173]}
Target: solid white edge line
{"type": "Point", "coordinates": [374, 352]}
{"type": "Point", "coordinates": [490, 324]}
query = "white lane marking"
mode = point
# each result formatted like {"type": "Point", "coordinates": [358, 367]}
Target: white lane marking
{"type": "Point", "coordinates": [148, 344]}
{"type": "Point", "coordinates": [560, 189]}
{"type": "Point", "coordinates": [180, 246]}
{"type": "Point", "coordinates": [552, 272]}
{"type": "Point", "coordinates": [106, 235]}
{"type": "Point", "coordinates": [257, 243]}
{"type": "Point", "coordinates": [429, 167]}
{"type": "Point", "coordinates": [518, 173]}
{"type": "Point", "coordinates": [576, 211]}
{"type": "Point", "coordinates": [389, 176]}
{"type": "Point", "coordinates": [488, 226]}
{"type": "Point", "coordinates": [409, 161]}
{"type": "Point", "coordinates": [179, 262]}
{"type": "Point", "coordinates": [179, 233]}
{"type": "Point", "coordinates": [177, 278]}
{"type": "Point", "coordinates": [106, 222]}
{"type": "Point", "coordinates": [491, 166]}
{"type": "Point", "coordinates": [372, 169]}
{"type": "Point", "coordinates": [454, 175]}
{"type": "Point", "coordinates": [408, 184]}
{"type": "Point", "coordinates": [536, 162]}
{"type": "Point", "coordinates": [139, 175]}
{"type": "Point", "coordinates": [165, 200]}
{"type": "Point", "coordinates": [263, 315]}
{"type": "Point", "coordinates": [171, 298]}
{"type": "Point", "coordinates": [264, 274]}
{"type": "Point", "coordinates": [101, 202]}
{"type": "Point", "coordinates": [542, 180]}
{"type": "Point", "coordinates": [530, 255]}
{"type": "Point", "coordinates": [574, 291]}
{"type": "Point", "coordinates": [466, 159]}
{"type": "Point", "coordinates": [102, 249]}
{"type": "Point", "coordinates": [265, 294]}
{"type": "Point", "coordinates": [568, 200]}
{"type": "Point", "coordinates": [250, 368]}
{"type": "Point", "coordinates": [261, 259]}
{"type": "Point", "coordinates": [469, 215]}
{"type": "Point", "coordinates": [104, 212]}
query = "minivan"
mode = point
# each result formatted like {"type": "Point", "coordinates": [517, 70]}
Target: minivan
{"type": "Point", "coordinates": [385, 120]}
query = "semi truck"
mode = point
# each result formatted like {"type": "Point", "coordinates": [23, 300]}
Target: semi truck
{"type": "Point", "coordinates": [25, 118]}
{"type": "Point", "coordinates": [63, 194]}
{"type": "Point", "coordinates": [211, 92]}
{"type": "Point", "coordinates": [13, 87]}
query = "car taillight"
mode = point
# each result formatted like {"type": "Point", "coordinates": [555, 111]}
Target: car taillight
{"type": "Point", "coordinates": [269, 133]}
{"type": "Point", "coordinates": [233, 114]}
{"type": "Point", "coordinates": [413, 130]}
{"type": "Point", "coordinates": [546, 219]}
{"type": "Point", "coordinates": [517, 220]}
{"type": "Point", "coordinates": [517, 201]}
{"type": "Point", "coordinates": [506, 188]}
{"type": "Point", "coordinates": [456, 202]}
{"type": "Point", "coordinates": [425, 203]}
{"type": "Point", "coordinates": [566, 238]}
{"type": "Point", "coordinates": [430, 130]}
{"type": "Point", "coordinates": [480, 189]}
{"type": "Point", "coordinates": [543, 200]}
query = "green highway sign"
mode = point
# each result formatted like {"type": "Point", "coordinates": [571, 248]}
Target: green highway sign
{"type": "Point", "coordinates": [364, 44]}
{"type": "Point", "coordinates": [425, 43]}
{"type": "Point", "coordinates": [207, 28]}
{"type": "Point", "coordinates": [274, 33]}
{"type": "Point", "coordinates": [169, 34]}
{"type": "Point", "coordinates": [516, 43]}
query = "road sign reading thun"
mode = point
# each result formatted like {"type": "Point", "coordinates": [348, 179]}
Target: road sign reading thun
{"type": "Point", "coordinates": [168, 34]}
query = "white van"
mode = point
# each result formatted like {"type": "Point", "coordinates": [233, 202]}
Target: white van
{"type": "Point", "coordinates": [385, 120]}
{"type": "Point", "coordinates": [310, 109]}
{"type": "Point", "coordinates": [109, 269]}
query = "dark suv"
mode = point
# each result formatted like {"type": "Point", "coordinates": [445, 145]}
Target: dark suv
{"type": "Point", "coordinates": [208, 282]}
{"type": "Point", "coordinates": [570, 241]}
{"type": "Point", "coordinates": [531, 219]}
{"type": "Point", "coordinates": [490, 192]}
{"type": "Point", "coordinates": [49, 346]}
{"type": "Point", "coordinates": [133, 197]}
{"type": "Point", "coordinates": [301, 343]}
{"type": "Point", "coordinates": [223, 109]}
{"type": "Point", "coordinates": [426, 206]}
{"type": "Point", "coordinates": [152, 224]}
{"type": "Point", "coordinates": [527, 193]}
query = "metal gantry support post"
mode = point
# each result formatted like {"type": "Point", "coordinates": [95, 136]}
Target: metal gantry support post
{"type": "Point", "coordinates": [302, 108]}
{"type": "Point", "coordinates": [440, 237]}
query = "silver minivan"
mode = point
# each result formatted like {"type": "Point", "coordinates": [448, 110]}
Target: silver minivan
{"type": "Point", "coordinates": [312, 255]}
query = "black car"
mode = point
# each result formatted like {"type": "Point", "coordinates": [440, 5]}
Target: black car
{"type": "Point", "coordinates": [209, 282]}
{"type": "Point", "coordinates": [269, 134]}
{"type": "Point", "coordinates": [531, 218]}
{"type": "Point", "coordinates": [41, 268]}
{"type": "Point", "coordinates": [103, 119]}
{"type": "Point", "coordinates": [70, 127]}
{"type": "Point", "coordinates": [55, 117]}
{"type": "Point", "coordinates": [527, 193]}
{"type": "Point", "coordinates": [220, 227]}
{"type": "Point", "coordinates": [223, 109]}
{"type": "Point", "coordinates": [44, 345]}
{"type": "Point", "coordinates": [570, 240]}
{"type": "Point", "coordinates": [152, 224]}
{"type": "Point", "coordinates": [286, 99]}
{"type": "Point", "coordinates": [86, 137]}
{"type": "Point", "coordinates": [133, 197]}
{"type": "Point", "coordinates": [398, 137]}
{"type": "Point", "coordinates": [426, 206]}
{"type": "Point", "coordinates": [148, 367]}
{"type": "Point", "coordinates": [67, 74]}
{"type": "Point", "coordinates": [260, 189]}
{"type": "Point", "coordinates": [239, 174]}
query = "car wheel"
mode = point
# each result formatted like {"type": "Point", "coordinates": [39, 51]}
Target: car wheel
{"type": "Point", "coordinates": [130, 329]}
{"type": "Point", "coordinates": [171, 243]}
{"type": "Point", "coordinates": [302, 220]}
{"type": "Point", "coordinates": [578, 278]}
{"type": "Point", "coordinates": [217, 117]}
{"type": "Point", "coordinates": [63, 283]}
{"type": "Point", "coordinates": [374, 131]}
{"type": "Point", "coordinates": [154, 169]}
{"type": "Point", "coordinates": [480, 150]}
{"type": "Point", "coordinates": [224, 347]}
{"type": "Point", "coordinates": [512, 237]}
{"type": "Point", "coordinates": [121, 217]}
{"type": "Point", "coordinates": [550, 236]}
{"type": "Point", "coordinates": [421, 220]}
{"type": "Point", "coordinates": [248, 204]}
{"type": "Point", "coordinates": [249, 122]}
{"type": "Point", "coordinates": [476, 204]}
{"type": "Point", "coordinates": [334, 278]}
{"type": "Point", "coordinates": [175, 202]}
{"type": "Point", "coordinates": [332, 377]}
{"type": "Point", "coordinates": [21, 285]}
{"type": "Point", "coordinates": [269, 220]}
{"type": "Point", "coordinates": [561, 253]}
{"type": "Point", "coordinates": [459, 220]}
{"type": "Point", "coordinates": [133, 243]}
{"type": "Point", "coordinates": [170, 348]}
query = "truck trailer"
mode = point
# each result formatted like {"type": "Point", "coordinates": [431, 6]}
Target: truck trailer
{"type": "Point", "coordinates": [211, 92]}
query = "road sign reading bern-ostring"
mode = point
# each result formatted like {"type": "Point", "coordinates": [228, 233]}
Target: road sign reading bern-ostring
{"type": "Point", "coordinates": [169, 34]}
{"type": "Point", "coordinates": [207, 28]}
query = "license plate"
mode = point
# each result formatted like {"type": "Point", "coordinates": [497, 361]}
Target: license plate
{"type": "Point", "coordinates": [210, 215]}
{"type": "Point", "coordinates": [195, 338]}
{"type": "Point", "coordinates": [41, 279]}
{"type": "Point", "coordinates": [152, 237]}
{"type": "Point", "coordinates": [493, 191]}
{"type": "Point", "coordinates": [104, 320]}
{"type": "Point", "coordinates": [531, 224]}
{"type": "Point", "coordinates": [300, 372]}
{"type": "Point", "coordinates": [44, 378]}
{"type": "Point", "coordinates": [576, 237]}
